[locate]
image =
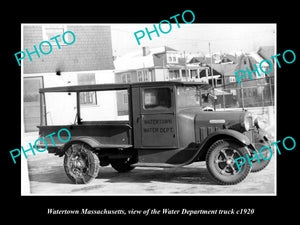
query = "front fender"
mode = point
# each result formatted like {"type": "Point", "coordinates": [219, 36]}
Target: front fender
{"type": "Point", "coordinates": [241, 138]}
{"type": "Point", "coordinates": [221, 134]}
{"type": "Point", "coordinates": [197, 151]}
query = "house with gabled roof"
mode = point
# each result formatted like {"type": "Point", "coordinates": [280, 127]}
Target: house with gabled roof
{"type": "Point", "coordinates": [266, 52]}
{"type": "Point", "coordinates": [155, 64]}
{"type": "Point", "coordinates": [88, 60]}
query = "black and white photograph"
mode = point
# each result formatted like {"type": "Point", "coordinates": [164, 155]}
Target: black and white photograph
{"type": "Point", "coordinates": [109, 113]}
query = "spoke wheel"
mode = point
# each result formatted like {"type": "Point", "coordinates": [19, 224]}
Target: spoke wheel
{"type": "Point", "coordinates": [225, 161]}
{"type": "Point", "coordinates": [80, 163]}
{"type": "Point", "coordinates": [221, 164]}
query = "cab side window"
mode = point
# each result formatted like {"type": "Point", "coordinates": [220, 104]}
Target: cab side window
{"type": "Point", "coordinates": [157, 98]}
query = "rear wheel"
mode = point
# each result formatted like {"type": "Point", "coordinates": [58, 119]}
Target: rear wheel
{"type": "Point", "coordinates": [80, 163]}
{"type": "Point", "coordinates": [221, 164]}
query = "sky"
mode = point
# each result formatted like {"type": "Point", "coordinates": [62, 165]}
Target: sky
{"type": "Point", "coordinates": [194, 38]}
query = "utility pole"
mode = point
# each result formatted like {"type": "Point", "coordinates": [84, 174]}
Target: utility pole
{"type": "Point", "coordinates": [212, 74]}
{"type": "Point", "coordinates": [185, 67]}
{"type": "Point", "coordinates": [211, 69]}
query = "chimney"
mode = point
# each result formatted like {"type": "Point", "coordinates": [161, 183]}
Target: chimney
{"type": "Point", "coordinates": [146, 51]}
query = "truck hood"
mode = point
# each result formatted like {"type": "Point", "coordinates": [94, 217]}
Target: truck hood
{"type": "Point", "coordinates": [221, 119]}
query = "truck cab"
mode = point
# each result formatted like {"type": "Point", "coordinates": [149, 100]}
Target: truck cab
{"type": "Point", "coordinates": [167, 124]}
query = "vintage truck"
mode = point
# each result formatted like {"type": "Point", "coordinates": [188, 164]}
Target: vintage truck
{"type": "Point", "coordinates": [168, 124]}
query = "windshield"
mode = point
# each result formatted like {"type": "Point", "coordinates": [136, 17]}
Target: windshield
{"type": "Point", "coordinates": [193, 96]}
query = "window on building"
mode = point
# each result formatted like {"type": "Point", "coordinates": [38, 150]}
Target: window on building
{"type": "Point", "coordinates": [143, 76]}
{"type": "Point", "coordinates": [174, 74]}
{"type": "Point", "coordinates": [126, 78]}
{"type": "Point", "coordinates": [219, 81]}
{"type": "Point", "coordinates": [125, 98]}
{"type": "Point", "coordinates": [232, 79]}
{"type": "Point", "coordinates": [172, 58]}
{"type": "Point", "coordinates": [87, 98]}
{"type": "Point", "coordinates": [194, 74]}
{"type": "Point", "coordinates": [52, 30]}
{"type": "Point", "coordinates": [123, 78]}
{"type": "Point", "coordinates": [152, 75]}
{"type": "Point", "coordinates": [146, 75]}
{"type": "Point", "coordinates": [157, 98]}
{"type": "Point", "coordinates": [140, 76]}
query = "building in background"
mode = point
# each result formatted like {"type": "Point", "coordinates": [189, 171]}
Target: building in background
{"type": "Point", "coordinates": [88, 60]}
{"type": "Point", "coordinates": [155, 64]}
{"type": "Point", "coordinates": [255, 92]}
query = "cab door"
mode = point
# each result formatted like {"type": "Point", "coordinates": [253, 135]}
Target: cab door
{"type": "Point", "coordinates": [156, 120]}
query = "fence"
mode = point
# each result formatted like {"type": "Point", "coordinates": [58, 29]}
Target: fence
{"type": "Point", "coordinates": [257, 96]}
{"type": "Point", "coordinates": [252, 93]}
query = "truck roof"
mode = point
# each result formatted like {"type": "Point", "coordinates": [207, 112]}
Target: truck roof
{"type": "Point", "coordinates": [120, 86]}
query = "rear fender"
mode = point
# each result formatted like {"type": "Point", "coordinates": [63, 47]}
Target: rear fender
{"type": "Point", "coordinates": [87, 140]}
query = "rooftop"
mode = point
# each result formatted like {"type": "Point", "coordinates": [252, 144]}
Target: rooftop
{"type": "Point", "coordinates": [137, 59]}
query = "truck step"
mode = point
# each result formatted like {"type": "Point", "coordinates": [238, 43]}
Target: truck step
{"type": "Point", "coordinates": [162, 165]}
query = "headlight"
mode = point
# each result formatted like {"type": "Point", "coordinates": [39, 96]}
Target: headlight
{"type": "Point", "coordinates": [247, 123]}
{"type": "Point", "coordinates": [260, 123]}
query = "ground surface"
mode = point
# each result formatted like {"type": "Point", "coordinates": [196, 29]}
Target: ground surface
{"type": "Point", "coordinates": [47, 176]}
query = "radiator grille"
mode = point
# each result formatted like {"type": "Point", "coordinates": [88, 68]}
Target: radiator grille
{"type": "Point", "coordinates": [205, 131]}
{"type": "Point", "coordinates": [249, 134]}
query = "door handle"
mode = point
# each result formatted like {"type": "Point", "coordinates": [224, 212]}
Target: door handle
{"type": "Point", "coordinates": [139, 118]}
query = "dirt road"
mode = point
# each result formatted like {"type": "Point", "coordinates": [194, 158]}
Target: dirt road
{"type": "Point", "coordinates": [47, 177]}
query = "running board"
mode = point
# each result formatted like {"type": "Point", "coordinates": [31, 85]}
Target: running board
{"type": "Point", "coordinates": [161, 165]}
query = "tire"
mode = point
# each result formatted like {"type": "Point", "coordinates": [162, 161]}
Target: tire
{"type": "Point", "coordinates": [80, 163]}
{"type": "Point", "coordinates": [220, 162]}
{"type": "Point", "coordinates": [256, 167]}
{"type": "Point", "coordinates": [122, 165]}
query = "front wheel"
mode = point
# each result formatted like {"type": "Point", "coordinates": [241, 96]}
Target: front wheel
{"type": "Point", "coordinates": [221, 164]}
{"type": "Point", "coordinates": [80, 163]}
